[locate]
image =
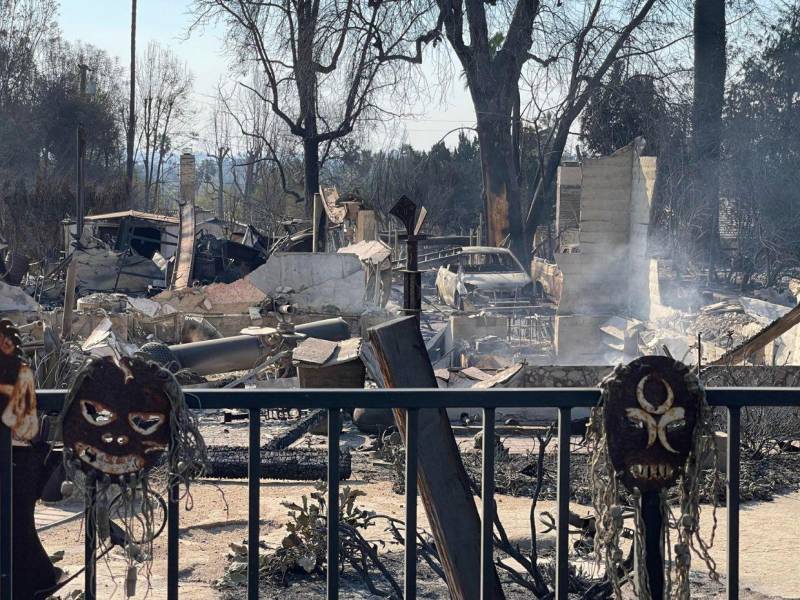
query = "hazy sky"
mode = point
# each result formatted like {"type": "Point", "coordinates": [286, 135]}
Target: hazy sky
{"type": "Point", "coordinates": [106, 23]}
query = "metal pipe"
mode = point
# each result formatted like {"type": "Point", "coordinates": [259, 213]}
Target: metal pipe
{"type": "Point", "coordinates": [235, 353]}
{"type": "Point", "coordinates": [212, 399]}
{"type": "Point", "coordinates": [242, 352]}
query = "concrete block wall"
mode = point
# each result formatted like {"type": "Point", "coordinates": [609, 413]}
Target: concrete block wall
{"type": "Point", "coordinates": [643, 184]}
{"type": "Point", "coordinates": [578, 339]}
{"type": "Point", "coordinates": [611, 273]}
{"type": "Point", "coordinates": [568, 196]}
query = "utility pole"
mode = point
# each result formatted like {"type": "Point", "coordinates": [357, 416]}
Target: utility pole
{"type": "Point", "coordinates": [131, 111]}
{"type": "Point", "coordinates": [80, 208]}
{"type": "Point", "coordinates": [81, 152]}
{"type": "Point", "coordinates": [222, 152]}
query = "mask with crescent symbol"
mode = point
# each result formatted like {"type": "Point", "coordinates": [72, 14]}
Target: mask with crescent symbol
{"type": "Point", "coordinates": [651, 409]}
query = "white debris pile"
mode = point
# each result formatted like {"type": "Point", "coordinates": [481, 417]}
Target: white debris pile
{"type": "Point", "coordinates": [14, 299]}
{"type": "Point", "coordinates": [103, 342]}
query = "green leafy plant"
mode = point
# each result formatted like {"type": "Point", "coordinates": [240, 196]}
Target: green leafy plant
{"type": "Point", "coordinates": [303, 550]}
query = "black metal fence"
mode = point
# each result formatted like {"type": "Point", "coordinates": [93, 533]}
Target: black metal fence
{"type": "Point", "coordinates": [563, 399]}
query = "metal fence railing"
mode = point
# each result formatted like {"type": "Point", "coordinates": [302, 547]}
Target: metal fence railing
{"type": "Point", "coordinates": [531, 328]}
{"type": "Point", "coordinates": [562, 399]}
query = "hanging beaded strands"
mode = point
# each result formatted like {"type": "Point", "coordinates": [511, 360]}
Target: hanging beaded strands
{"type": "Point", "coordinates": [120, 420]}
{"type": "Point", "coordinates": [650, 439]}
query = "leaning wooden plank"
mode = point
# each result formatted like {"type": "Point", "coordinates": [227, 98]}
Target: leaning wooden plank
{"type": "Point", "coordinates": [443, 482]}
{"type": "Point", "coordinates": [185, 259]}
{"type": "Point", "coordinates": [771, 332]}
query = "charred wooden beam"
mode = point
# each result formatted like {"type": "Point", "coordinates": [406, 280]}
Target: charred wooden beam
{"type": "Point", "coordinates": [300, 464]}
{"type": "Point", "coordinates": [286, 439]}
{"type": "Point", "coordinates": [757, 342]}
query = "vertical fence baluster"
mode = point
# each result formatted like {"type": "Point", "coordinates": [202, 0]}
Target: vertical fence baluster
{"type": "Point", "coordinates": [333, 503]}
{"type": "Point", "coordinates": [487, 501]}
{"type": "Point", "coordinates": [562, 540]}
{"type": "Point", "coordinates": [173, 538]}
{"type": "Point", "coordinates": [6, 514]}
{"type": "Point", "coordinates": [90, 540]}
{"type": "Point", "coordinates": [410, 560]}
{"type": "Point", "coordinates": [254, 493]}
{"type": "Point", "coordinates": [734, 419]}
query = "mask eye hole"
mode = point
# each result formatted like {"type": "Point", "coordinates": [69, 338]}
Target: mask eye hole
{"type": "Point", "coordinates": [676, 425]}
{"type": "Point", "coordinates": [96, 413]}
{"type": "Point", "coordinates": [634, 423]}
{"type": "Point", "coordinates": [146, 423]}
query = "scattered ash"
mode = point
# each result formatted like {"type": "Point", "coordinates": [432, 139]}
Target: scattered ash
{"type": "Point", "coordinates": [516, 474]}
{"type": "Point", "coordinates": [763, 479]}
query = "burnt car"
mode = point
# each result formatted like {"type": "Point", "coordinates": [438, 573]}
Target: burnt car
{"type": "Point", "coordinates": [479, 276]}
{"type": "Point", "coordinates": [548, 280]}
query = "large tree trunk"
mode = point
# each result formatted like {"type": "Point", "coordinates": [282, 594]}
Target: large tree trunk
{"type": "Point", "coordinates": [311, 178]}
{"type": "Point", "coordinates": [500, 184]}
{"type": "Point", "coordinates": [220, 184]}
{"type": "Point", "coordinates": [709, 95]}
{"type": "Point", "coordinates": [542, 207]}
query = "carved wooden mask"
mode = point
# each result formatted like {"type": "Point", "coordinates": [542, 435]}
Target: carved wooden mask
{"type": "Point", "coordinates": [17, 386]}
{"type": "Point", "coordinates": [118, 420]}
{"type": "Point", "coordinates": [651, 409]}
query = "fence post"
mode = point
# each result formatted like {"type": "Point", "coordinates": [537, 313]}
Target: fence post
{"type": "Point", "coordinates": [333, 503]}
{"type": "Point", "coordinates": [173, 533]}
{"type": "Point", "coordinates": [733, 458]}
{"type": "Point", "coordinates": [90, 538]}
{"type": "Point", "coordinates": [410, 558]}
{"type": "Point", "coordinates": [653, 544]}
{"type": "Point", "coordinates": [6, 516]}
{"type": "Point", "coordinates": [487, 501]}
{"type": "Point", "coordinates": [254, 499]}
{"type": "Point", "coordinates": [562, 499]}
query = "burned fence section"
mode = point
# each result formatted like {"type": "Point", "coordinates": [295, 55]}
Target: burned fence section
{"type": "Point", "coordinates": [409, 400]}
{"type": "Point", "coordinates": [531, 327]}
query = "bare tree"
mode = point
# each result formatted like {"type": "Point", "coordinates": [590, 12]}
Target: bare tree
{"type": "Point", "coordinates": [494, 41]}
{"type": "Point", "coordinates": [585, 42]}
{"type": "Point", "coordinates": [218, 148]}
{"type": "Point", "coordinates": [325, 63]}
{"type": "Point", "coordinates": [25, 28]}
{"type": "Point", "coordinates": [492, 63]}
{"type": "Point", "coordinates": [164, 84]}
